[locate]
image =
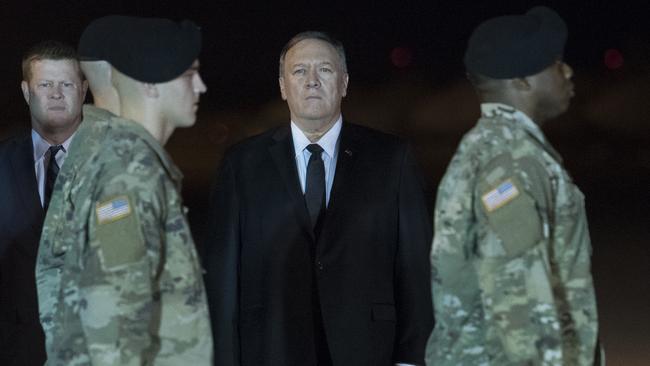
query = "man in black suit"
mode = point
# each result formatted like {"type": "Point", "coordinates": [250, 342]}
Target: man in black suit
{"type": "Point", "coordinates": [54, 89]}
{"type": "Point", "coordinates": [319, 241]}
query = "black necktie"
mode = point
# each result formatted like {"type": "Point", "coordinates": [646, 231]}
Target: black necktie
{"type": "Point", "coordinates": [315, 200]}
{"type": "Point", "coordinates": [52, 170]}
{"type": "Point", "coordinates": [315, 184]}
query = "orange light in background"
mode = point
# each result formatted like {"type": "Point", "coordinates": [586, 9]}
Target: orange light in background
{"type": "Point", "coordinates": [401, 57]}
{"type": "Point", "coordinates": [613, 59]}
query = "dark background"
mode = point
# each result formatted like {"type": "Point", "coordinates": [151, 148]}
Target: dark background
{"type": "Point", "coordinates": [406, 77]}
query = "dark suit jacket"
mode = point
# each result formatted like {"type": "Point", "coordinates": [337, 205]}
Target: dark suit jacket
{"type": "Point", "coordinates": [371, 259]}
{"type": "Point", "coordinates": [21, 219]}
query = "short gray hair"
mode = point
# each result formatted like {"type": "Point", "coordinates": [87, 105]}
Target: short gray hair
{"type": "Point", "coordinates": [321, 36]}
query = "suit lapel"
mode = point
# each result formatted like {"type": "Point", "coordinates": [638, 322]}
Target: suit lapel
{"type": "Point", "coordinates": [24, 177]}
{"type": "Point", "coordinates": [349, 148]}
{"type": "Point", "coordinates": [282, 152]}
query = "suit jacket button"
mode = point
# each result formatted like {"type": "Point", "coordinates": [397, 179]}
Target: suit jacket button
{"type": "Point", "coordinates": [320, 265]}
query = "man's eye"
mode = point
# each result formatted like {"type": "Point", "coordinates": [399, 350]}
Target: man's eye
{"type": "Point", "coordinates": [44, 85]}
{"type": "Point", "coordinates": [299, 72]}
{"type": "Point", "coordinates": [68, 85]}
{"type": "Point", "coordinates": [325, 69]}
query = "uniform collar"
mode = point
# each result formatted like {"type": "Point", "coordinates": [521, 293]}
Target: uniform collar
{"type": "Point", "coordinates": [491, 110]}
{"type": "Point", "coordinates": [91, 126]}
{"type": "Point", "coordinates": [166, 160]}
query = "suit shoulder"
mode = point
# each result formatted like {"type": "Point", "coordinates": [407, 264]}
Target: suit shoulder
{"type": "Point", "coordinates": [5, 145]}
{"type": "Point", "coordinates": [254, 143]}
{"type": "Point", "coordinates": [14, 139]}
{"type": "Point", "coordinates": [373, 135]}
{"type": "Point", "coordinates": [12, 143]}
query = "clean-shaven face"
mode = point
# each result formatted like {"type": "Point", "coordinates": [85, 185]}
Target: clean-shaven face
{"type": "Point", "coordinates": [180, 97]}
{"type": "Point", "coordinates": [55, 95]}
{"type": "Point", "coordinates": [313, 83]}
{"type": "Point", "coordinates": [553, 90]}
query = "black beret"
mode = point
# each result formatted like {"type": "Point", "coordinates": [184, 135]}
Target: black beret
{"type": "Point", "coordinates": [96, 38]}
{"type": "Point", "coordinates": [514, 46]}
{"type": "Point", "coordinates": [151, 50]}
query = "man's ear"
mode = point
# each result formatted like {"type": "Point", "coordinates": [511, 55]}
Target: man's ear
{"type": "Point", "coordinates": [521, 84]}
{"type": "Point", "coordinates": [84, 88]}
{"type": "Point", "coordinates": [25, 88]}
{"type": "Point", "coordinates": [282, 91]}
{"type": "Point", "coordinates": [346, 78]}
{"type": "Point", "coordinates": [150, 90]}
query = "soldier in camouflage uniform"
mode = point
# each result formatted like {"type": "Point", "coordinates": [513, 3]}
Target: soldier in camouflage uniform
{"type": "Point", "coordinates": [511, 252]}
{"type": "Point", "coordinates": [119, 280]}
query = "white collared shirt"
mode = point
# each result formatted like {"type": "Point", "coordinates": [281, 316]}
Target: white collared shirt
{"type": "Point", "coordinates": [40, 148]}
{"type": "Point", "coordinates": [329, 143]}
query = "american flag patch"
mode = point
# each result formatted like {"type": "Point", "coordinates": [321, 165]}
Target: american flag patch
{"type": "Point", "coordinates": [113, 210]}
{"type": "Point", "coordinates": [502, 194]}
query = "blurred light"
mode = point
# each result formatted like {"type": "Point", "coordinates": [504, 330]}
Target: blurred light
{"type": "Point", "coordinates": [613, 59]}
{"type": "Point", "coordinates": [401, 57]}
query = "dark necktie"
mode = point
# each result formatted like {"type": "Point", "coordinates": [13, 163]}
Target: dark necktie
{"type": "Point", "coordinates": [52, 170]}
{"type": "Point", "coordinates": [315, 200]}
{"type": "Point", "coordinates": [315, 184]}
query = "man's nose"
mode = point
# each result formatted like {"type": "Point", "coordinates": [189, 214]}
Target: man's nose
{"type": "Point", "coordinates": [312, 79]}
{"type": "Point", "coordinates": [199, 85]}
{"type": "Point", "coordinates": [56, 93]}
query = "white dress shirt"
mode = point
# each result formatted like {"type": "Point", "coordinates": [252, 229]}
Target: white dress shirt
{"type": "Point", "coordinates": [329, 143]}
{"type": "Point", "coordinates": [40, 148]}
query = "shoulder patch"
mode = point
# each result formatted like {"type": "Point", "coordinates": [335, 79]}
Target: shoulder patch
{"type": "Point", "coordinates": [505, 192]}
{"type": "Point", "coordinates": [113, 210]}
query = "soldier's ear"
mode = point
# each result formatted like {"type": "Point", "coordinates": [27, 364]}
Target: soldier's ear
{"type": "Point", "coordinates": [521, 84]}
{"type": "Point", "coordinates": [25, 88]}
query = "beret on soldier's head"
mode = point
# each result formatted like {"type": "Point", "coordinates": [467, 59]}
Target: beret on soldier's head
{"type": "Point", "coordinates": [152, 50]}
{"type": "Point", "coordinates": [96, 38]}
{"type": "Point", "coordinates": [514, 46]}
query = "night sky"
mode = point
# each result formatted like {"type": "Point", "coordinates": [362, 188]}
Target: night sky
{"type": "Point", "coordinates": [420, 94]}
{"type": "Point", "coordinates": [242, 39]}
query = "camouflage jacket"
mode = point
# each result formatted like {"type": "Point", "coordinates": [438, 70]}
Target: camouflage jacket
{"type": "Point", "coordinates": [118, 276]}
{"type": "Point", "coordinates": [511, 253]}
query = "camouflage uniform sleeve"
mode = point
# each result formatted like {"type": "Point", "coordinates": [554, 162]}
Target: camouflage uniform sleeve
{"type": "Point", "coordinates": [512, 200]}
{"type": "Point", "coordinates": [457, 337]}
{"type": "Point", "coordinates": [118, 296]}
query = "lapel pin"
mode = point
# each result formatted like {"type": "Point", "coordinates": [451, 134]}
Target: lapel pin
{"type": "Point", "coordinates": [349, 152]}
